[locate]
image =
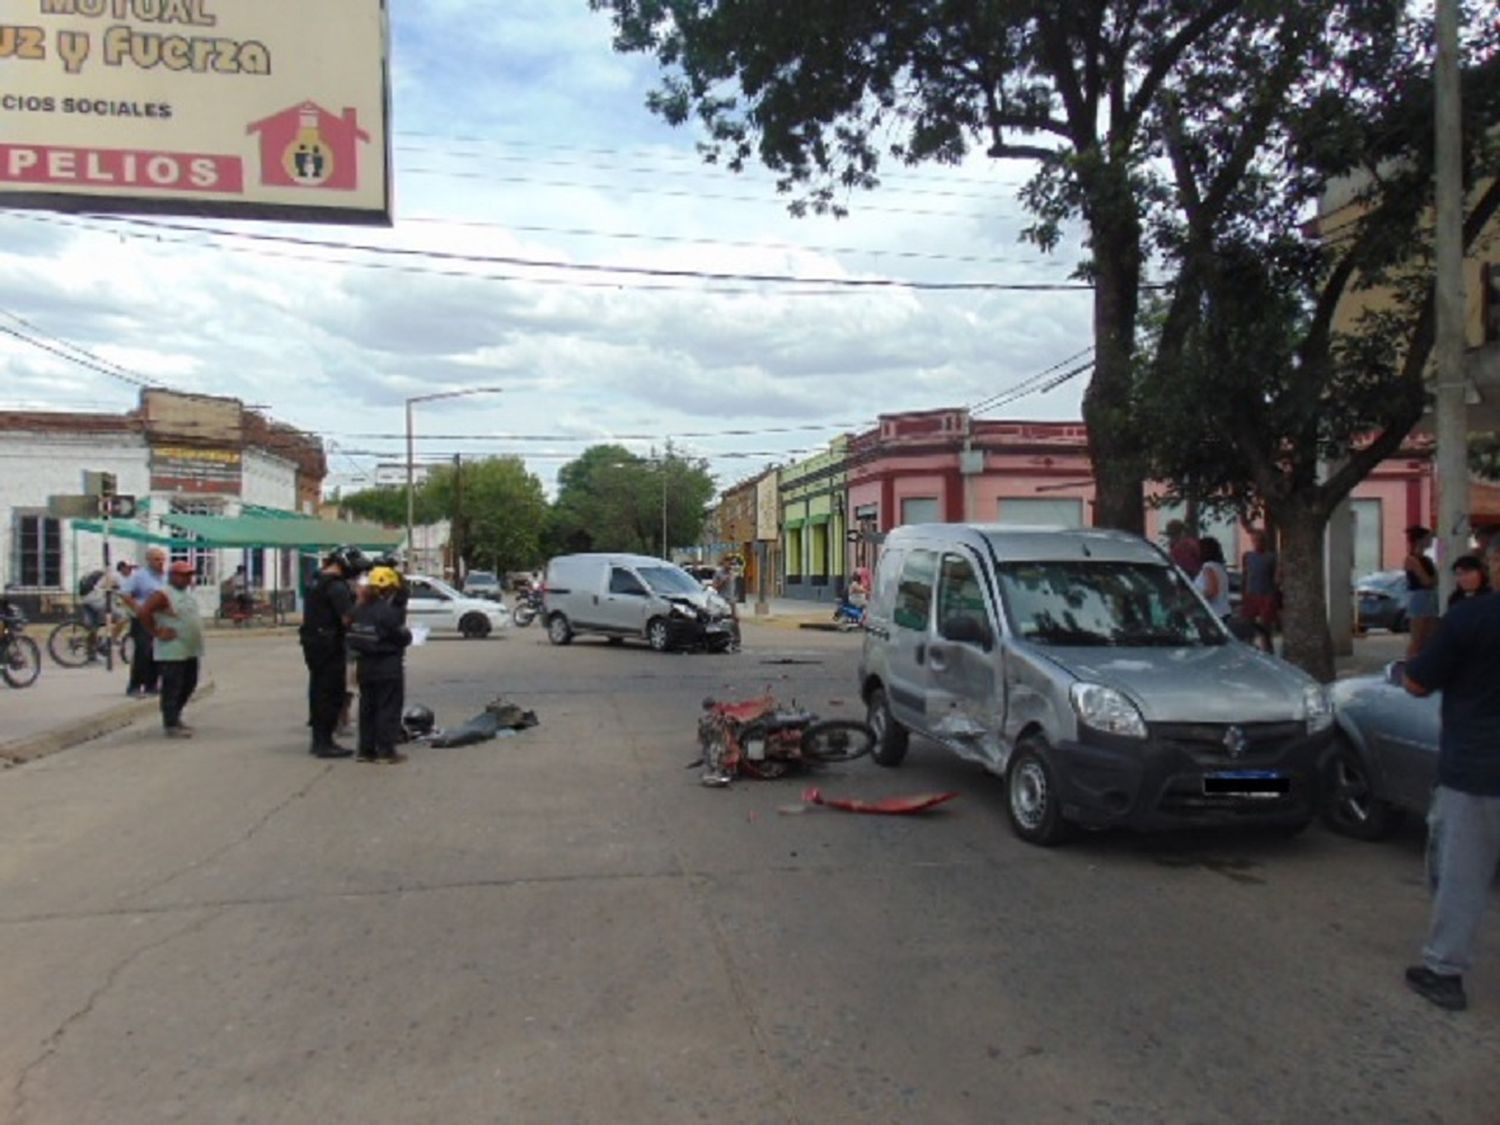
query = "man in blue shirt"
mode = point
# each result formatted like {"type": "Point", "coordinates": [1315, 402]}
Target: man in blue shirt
{"type": "Point", "coordinates": [142, 583]}
{"type": "Point", "coordinates": [1463, 850]}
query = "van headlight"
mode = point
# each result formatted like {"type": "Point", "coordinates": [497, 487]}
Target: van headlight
{"type": "Point", "coordinates": [1318, 708]}
{"type": "Point", "coordinates": [1107, 710]}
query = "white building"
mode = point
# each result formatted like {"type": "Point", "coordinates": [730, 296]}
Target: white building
{"type": "Point", "coordinates": [177, 455]}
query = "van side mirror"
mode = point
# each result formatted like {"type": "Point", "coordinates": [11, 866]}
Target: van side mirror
{"type": "Point", "coordinates": [970, 630]}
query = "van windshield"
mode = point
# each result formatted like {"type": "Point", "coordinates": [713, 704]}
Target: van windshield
{"type": "Point", "coordinates": [668, 580]}
{"type": "Point", "coordinates": [1086, 603]}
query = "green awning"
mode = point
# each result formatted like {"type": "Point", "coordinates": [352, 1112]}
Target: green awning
{"type": "Point", "coordinates": [793, 525]}
{"type": "Point", "coordinates": [279, 532]}
{"type": "Point", "coordinates": [823, 518]}
{"type": "Point", "coordinates": [132, 530]}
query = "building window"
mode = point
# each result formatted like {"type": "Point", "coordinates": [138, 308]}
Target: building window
{"type": "Point", "coordinates": [1033, 512]}
{"type": "Point", "coordinates": [204, 560]}
{"type": "Point", "coordinates": [920, 509]}
{"type": "Point", "coordinates": [38, 551]}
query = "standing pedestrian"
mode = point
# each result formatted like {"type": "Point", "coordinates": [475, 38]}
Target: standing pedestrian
{"type": "Point", "coordinates": [1421, 590]}
{"type": "Point", "coordinates": [1463, 843]}
{"type": "Point", "coordinates": [378, 637]}
{"type": "Point", "coordinates": [142, 583]}
{"type": "Point", "coordinates": [1213, 579]}
{"type": "Point", "coordinates": [1185, 550]}
{"type": "Point", "coordinates": [325, 620]}
{"type": "Point", "coordinates": [171, 617]}
{"type": "Point", "coordinates": [1260, 572]}
{"type": "Point", "coordinates": [1469, 579]}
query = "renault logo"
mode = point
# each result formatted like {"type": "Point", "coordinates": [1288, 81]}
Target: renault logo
{"type": "Point", "coordinates": [1235, 742]}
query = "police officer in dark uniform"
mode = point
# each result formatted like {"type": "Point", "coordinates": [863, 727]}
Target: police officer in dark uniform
{"type": "Point", "coordinates": [325, 621]}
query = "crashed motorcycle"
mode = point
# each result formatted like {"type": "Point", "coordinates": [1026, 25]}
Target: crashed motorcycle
{"type": "Point", "coordinates": [528, 607]}
{"type": "Point", "coordinates": [760, 738]}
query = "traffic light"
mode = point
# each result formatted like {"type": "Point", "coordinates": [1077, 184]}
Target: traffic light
{"type": "Point", "coordinates": [99, 484]}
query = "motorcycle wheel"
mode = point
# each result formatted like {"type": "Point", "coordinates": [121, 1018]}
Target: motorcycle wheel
{"type": "Point", "coordinates": [767, 769]}
{"type": "Point", "coordinates": [837, 740]}
{"type": "Point", "coordinates": [524, 615]}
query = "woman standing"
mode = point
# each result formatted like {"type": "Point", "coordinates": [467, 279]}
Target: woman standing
{"type": "Point", "coordinates": [1421, 585]}
{"type": "Point", "coordinates": [1213, 579]}
{"type": "Point", "coordinates": [1469, 578]}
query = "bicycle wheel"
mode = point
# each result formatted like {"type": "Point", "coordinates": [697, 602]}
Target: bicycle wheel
{"type": "Point", "coordinates": [69, 644]}
{"type": "Point", "coordinates": [20, 662]}
{"type": "Point", "coordinates": [837, 740]}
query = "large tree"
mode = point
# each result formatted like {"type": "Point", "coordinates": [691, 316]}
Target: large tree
{"type": "Point", "coordinates": [1256, 393]}
{"type": "Point", "coordinates": [821, 91]}
{"type": "Point", "coordinates": [498, 511]}
{"type": "Point", "coordinates": [611, 499]}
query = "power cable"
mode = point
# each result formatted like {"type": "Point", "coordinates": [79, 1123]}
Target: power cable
{"type": "Point", "coordinates": [594, 268]}
{"type": "Point", "coordinates": [81, 356]}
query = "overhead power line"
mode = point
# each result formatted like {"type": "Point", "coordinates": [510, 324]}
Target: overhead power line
{"type": "Point", "coordinates": [593, 268]}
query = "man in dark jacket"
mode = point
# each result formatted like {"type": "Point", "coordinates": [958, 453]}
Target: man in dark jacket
{"type": "Point", "coordinates": [1463, 850]}
{"type": "Point", "coordinates": [325, 619]}
{"type": "Point", "coordinates": [378, 637]}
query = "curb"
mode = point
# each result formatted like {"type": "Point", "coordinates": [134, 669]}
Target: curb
{"type": "Point", "coordinates": [84, 730]}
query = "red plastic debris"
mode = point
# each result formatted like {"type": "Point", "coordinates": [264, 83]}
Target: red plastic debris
{"type": "Point", "coordinates": [895, 806]}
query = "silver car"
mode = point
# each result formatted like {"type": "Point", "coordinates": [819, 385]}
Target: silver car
{"type": "Point", "coordinates": [1383, 762]}
{"type": "Point", "coordinates": [1082, 667]}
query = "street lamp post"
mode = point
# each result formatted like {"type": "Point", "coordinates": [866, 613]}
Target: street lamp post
{"type": "Point", "coordinates": [411, 453]}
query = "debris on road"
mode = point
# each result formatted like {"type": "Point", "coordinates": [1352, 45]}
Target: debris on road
{"type": "Point", "coordinates": [500, 717]}
{"type": "Point", "coordinates": [895, 806]}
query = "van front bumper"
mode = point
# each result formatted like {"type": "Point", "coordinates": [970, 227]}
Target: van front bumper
{"type": "Point", "coordinates": [686, 633]}
{"type": "Point", "coordinates": [1192, 774]}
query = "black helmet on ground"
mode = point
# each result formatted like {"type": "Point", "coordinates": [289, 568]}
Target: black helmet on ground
{"type": "Point", "coordinates": [418, 720]}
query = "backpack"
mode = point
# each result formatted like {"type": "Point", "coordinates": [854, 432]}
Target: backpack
{"type": "Point", "coordinates": [87, 583]}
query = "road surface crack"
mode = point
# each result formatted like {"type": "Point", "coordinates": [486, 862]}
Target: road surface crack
{"type": "Point", "coordinates": [243, 839]}
{"type": "Point", "coordinates": [52, 1042]}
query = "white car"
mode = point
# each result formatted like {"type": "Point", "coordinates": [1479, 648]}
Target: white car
{"type": "Point", "coordinates": [443, 609]}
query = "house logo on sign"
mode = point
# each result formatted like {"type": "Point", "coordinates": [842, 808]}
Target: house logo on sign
{"type": "Point", "coordinates": [305, 146]}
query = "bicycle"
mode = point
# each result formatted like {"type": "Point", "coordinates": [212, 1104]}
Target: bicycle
{"type": "Point", "coordinates": [74, 643]}
{"type": "Point", "coordinates": [239, 611]}
{"type": "Point", "coordinates": [20, 658]}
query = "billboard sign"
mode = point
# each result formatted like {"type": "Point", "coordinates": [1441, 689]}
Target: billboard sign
{"type": "Point", "coordinates": [273, 109]}
{"type": "Point", "coordinates": [188, 469]}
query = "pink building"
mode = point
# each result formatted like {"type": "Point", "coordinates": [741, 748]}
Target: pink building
{"type": "Point", "coordinates": [943, 466]}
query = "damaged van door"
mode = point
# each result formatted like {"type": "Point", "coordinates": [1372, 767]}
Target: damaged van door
{"type": "Point", "coordinates": [964, 660]}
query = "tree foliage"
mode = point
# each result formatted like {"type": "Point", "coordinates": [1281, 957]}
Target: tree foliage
{"type": "Point", "coordinates": [823, 91]}
{"type": "Point", "coordinates": [1254, 391]}
{"type": "Point", "coordinates": [498, 509]}
{"type": "Point", "coordinates": [611, 499]}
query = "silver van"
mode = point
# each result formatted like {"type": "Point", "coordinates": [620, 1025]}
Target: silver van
{"type": "Point", "coordinates": [1083, 668]}
{"type": "Point", "coordinates": [620, 596]}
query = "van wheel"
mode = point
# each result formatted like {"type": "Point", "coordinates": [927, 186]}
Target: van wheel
{"type": "Point", "coordinates": [658, 636]}
{"type": "Point", "coordinates": [559, 632]}
{"type": "Point", "coordinates": [1032, 796]}
{"type": "Point", "coordinates": [891, 738]}
{"type": "Point", "coordinates": [474, 626]}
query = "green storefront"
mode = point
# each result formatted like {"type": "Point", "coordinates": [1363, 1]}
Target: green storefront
{"type": "Point", "coordinates": [813, 525]}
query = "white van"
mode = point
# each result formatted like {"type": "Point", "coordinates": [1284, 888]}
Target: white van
{"type": "Point", "coordinates": [1084, 669]}
{"type": "Point", "coordinates": [619, 596]}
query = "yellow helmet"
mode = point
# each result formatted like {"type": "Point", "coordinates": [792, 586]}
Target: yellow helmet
{"type": "Point", "coordinates": [384, 578]}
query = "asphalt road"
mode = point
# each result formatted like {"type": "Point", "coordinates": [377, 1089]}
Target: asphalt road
{"type": "Point", "coordinates": [564, 926]}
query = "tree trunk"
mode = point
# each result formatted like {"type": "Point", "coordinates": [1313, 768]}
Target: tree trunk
{"type": "Point", "coordinates": [1306, 641]}
{"type": "Point", "coordinates": [1107, 404]}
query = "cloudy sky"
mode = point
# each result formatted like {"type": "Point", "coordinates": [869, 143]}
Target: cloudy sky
{"type": "Point", "coordinates": [519, 134]}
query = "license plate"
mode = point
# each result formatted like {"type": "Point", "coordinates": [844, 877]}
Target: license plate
{"type": "Point", "coordinates": [1247, 783]}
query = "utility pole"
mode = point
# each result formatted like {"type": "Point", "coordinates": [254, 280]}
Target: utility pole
{"type": "Point", "coordinates": [411, 547]}
{"type": "Point", "coordinates": [665, 552]}
{"type": "Point", "coordinates": [1451, 412]}
{"type": "Point", "coordinates": [458, 520]}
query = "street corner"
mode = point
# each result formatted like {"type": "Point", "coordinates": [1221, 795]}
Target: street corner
{"type": "Point", "coordinates": [79, 729]}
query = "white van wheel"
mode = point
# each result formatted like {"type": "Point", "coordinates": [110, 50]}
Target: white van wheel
{"type": "Point", "coordinates": [559, 632]}
{"type": "Point", "coordinates": [658, 636]}
{"type": "Point", "coordinates": [891, 738]}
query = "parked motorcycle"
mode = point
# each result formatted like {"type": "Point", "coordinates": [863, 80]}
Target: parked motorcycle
{"type": "Point", "coordinates": [761, 738]}
{"type": "Point", "coordinates": [848, 616]}
{"type": "Point", "coordinates": [528, 606]}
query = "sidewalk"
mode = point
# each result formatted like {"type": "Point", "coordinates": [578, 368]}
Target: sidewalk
{"type": "Point", "coordinates": [64, 707]}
